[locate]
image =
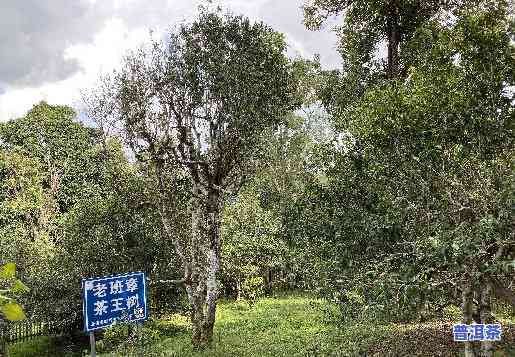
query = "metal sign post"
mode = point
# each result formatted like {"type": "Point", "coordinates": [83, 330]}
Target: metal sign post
{"type": "Point", "coordinates": [92, 343]}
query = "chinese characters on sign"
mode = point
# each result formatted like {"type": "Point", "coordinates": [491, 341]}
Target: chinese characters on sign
{"type": "Point", "coordinates": [114, 298]}
{"type": "Point", "coordinates": [477, 332]}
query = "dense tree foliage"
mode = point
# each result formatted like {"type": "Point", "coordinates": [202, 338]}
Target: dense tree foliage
{"type": "Point", "coordinates": [218, 165]}
{"type": "Point", "coordinates": [420, 209]}
{"type": "Point", "coordinates": [73, 207]}
{"type": "Point", "coordinates": [198, 103]}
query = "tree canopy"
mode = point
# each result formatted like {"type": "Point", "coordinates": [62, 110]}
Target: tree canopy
{"type": "Point", "coordinates": [221, 167]}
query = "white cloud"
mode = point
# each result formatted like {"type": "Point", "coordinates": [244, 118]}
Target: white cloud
{"type": "Point", "coordinates": [100, 56]}
{"type": "Point", "coordinates": [126, 28]}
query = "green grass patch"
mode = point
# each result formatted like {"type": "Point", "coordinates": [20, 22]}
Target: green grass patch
{"type": "Point", "coordinates": [283, 326]}
{"type": "Point", "coordinates": [293, 326]}
{"type": "Point", "coordinates": [43, 346]}
{"type": "Point", "coordinates": [38, 346]}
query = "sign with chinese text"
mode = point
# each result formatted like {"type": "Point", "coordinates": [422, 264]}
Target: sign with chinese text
{"type": "Point", "coordinates": [477, 332]}
{"type": "Point", "coordinates": [121, 298]}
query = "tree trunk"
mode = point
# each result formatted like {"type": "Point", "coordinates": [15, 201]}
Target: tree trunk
{"type": "Point", "coordinates": [205, 264]}
{"type": "Point", "coordinates": [266, 274]}
{"type": "Point", "coordinates": [393, 41]}
{"type": "Point", "coordinates": [197, 299]}
{"type": "Point", "coordinates": [486, 316]}
{"type": "Point", "coordinates": [238, 289]}
{"type": "Point", "coordinates": [501, 292]}
{"type": "Point", "coordinates": [467, 310]}
{"type": "Point", "coordinates": [3, 337]}
{"type": "Point", "coordinates": [202, 262]}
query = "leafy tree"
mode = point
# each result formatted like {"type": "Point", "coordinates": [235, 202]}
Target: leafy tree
{"type": "Point", "coordinates": [433, 160]}
{"type": "Point", "coordinates": [368, 23]}
{"type": "Point", "coordinates": [49, 135]}
{"type": "Point", "coordinates": [199, 102]}
{"type": "Point", "coordinates": [287, 167]}
{"type": "Point", "coordinates": [367, 27]}
{"type": "Point", "coordinates": [250, 245]}
{"type": "Point", "coordinates": [74, 207]}
{"type": "Point", "coordinates": [460, 127]}
{"type": "Point", "coordinates": [113, 229]}
{"type": "Point", "coordinates": [45, 166]}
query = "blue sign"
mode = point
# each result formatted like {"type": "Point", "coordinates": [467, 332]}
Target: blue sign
{"type": "Point", "coordinates": [477, 332]}
{"type": "Point", "coordinates": [121, 298]}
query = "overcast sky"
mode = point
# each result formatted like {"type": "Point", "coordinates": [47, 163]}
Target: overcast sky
{"type": "Point", "coordinates": [51, 49]}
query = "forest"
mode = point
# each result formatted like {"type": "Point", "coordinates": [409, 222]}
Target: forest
{"type": "Point", "coordinates": [277, 208]}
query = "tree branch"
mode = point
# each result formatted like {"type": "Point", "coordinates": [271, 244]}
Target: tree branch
{"type": "Point", "coordinates": [502, 293]}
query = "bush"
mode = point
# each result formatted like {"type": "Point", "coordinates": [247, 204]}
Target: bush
{"type": "Point", "coordinates": [252, 288]}
{"type": "Point", "coordinates": [114, 336]}
{"type": "Point", "coordinates": [128, 338]}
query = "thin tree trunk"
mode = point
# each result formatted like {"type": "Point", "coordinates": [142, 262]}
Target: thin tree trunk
{"type": "Point", "coordinates": [467, 310]}
{"type": "Point", "coordinates": [393, 41]}
{"type": "Point", "coordinates": [196, 288]}
{"type": "Point", "coordinates": [3, 332]}
{"type": "Point", "coordinates": [213, 265]}
{"type": "Point", "coordinates": [197, 300]}
{"type": "Point", "coordinates": [486, 316]}
{"type": "Point", "coordinates": [211, 299]}
{"type": "Point", "coordinates": [238, 288]}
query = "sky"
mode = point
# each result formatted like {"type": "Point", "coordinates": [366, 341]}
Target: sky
{"type": "Point", "coordinates": [51, 50]}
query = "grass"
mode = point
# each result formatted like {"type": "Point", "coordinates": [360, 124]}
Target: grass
{"type": "Point", "coordinates": [290, 326]}
{"type": "Point", "coordinates": [46, 346]}
{"type": "Point", "coordinates": [273, 327]}
{"type": "Point", "coordinates": [37, 346]}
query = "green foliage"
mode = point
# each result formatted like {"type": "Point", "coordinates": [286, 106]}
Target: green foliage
{"type": "Point", "coordinates": [250, 245]}
{"type": "Point", "coordinates": [37, 347]}
{"type": "Point", "coordinates": [198, 104]}
{"type": "Point", "coordinates": [422, 195]}
{"type": "Point", "coordinates": [49, 136]}
{"type": "Point", "coordinates": [218, 61]}
{"type": "Point", "coordinates": [131, 340]}
{"type": "Point", "coordinates": [124, 336]}
{"type": "Point", "coordinates": [366, 27]}
{"type": "Point", "coordinates": [9, 287]}
{"type": "Point", "coordinates": [74, 208]}
{"type": "Point", "coordinates": [8, 271]}
{"type": "Point", "coordinates": [12, 311]}
{"type": "Point", "coordinates": [292, 326]}
{"type": "Point", "coordinates": [252, 288]}
{"type": "Point", "coordinates": [413, 198]}
{"type": "Point", "coordinates": [289, 325]}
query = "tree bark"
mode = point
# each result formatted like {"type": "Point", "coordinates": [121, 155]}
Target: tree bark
{"type": "Point", "coordinates": [238, 289]}
{"type": "Point", "coordinates": [202, 262]}
{"type": "Point", "coordinates": [205, 262]}
{"type": "Point", "coordinates": [467, 310]}
{"type": "Point", "coordinates": [486, 316]}
{"type": "Point", "coordinates": [394, 38]}
{"type": "Point", "coordinates": [3, 337]}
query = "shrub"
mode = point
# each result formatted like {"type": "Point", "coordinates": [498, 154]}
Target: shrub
{"type": "Point", "coordinates": [252, 288]}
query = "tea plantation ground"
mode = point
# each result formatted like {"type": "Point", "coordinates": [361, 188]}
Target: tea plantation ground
{"type": "Point", "coordinates": [275, 327]}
